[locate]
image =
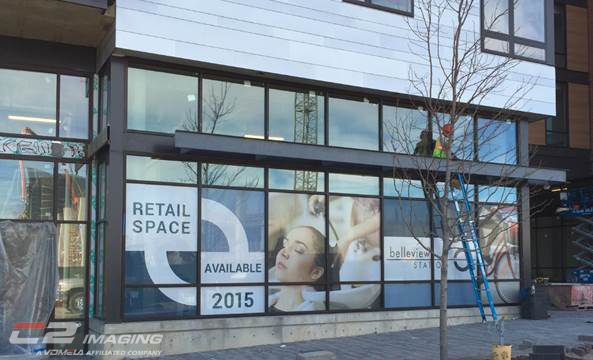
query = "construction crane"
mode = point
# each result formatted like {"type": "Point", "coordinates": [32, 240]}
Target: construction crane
{"type": "Point", "coordinates": [306, 122]}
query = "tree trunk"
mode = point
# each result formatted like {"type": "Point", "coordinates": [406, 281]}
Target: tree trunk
{"type": "Point", "coordinates": [443, 330]}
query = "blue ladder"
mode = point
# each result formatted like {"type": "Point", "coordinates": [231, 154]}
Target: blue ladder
{"type": "Point", "coordinates": [471, 242]}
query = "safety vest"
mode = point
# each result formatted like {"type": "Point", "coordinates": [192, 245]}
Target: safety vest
{"type": "Point", "coordinates": [438, 151]}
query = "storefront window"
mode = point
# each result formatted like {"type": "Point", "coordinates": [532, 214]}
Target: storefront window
{"type": "Point", "coordinates": [299, 180]}
{"type": "Point", "coordinates": [230, 175]}
{"type": "Point", "coordinates": [232, 238]}
{"type": "Point", "coordinates": [407, 244]}
{"type": "Point", "coordinates": [402, 128]}
{"type": "Point", "coordinates": [297, 116]}
{"type": "Point", "coordinates": [143, 168]}
{"type": "Point", "coordinates": [354, 238]}
{"type": "Point", "coordinates": [353, 123]}
{"type": "Point", "coordinates": [74, 107]}
{"type": "Point", "coordinates": [499, 232]}
{"type": "Point", "coordinates": [141, 302]}
{"type": "Point", "coordinates": [72, 192]}
{"type": "Point", "coordinates": [29, 192]}
{"type": "Point", "coordinates": [497, 141]}
{"type": "Point", "coordinates": [162, 102]}
{"type": "Point", "coordinates": [28, 102]}
{"type": "Point", "coordinates": [353, 184]}
{"type": "Point", "coordinates": [71, 266]}
{"type": "Point", "coordinates": [233, 108]}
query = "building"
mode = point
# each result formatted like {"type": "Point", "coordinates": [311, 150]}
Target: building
{"type": "Point", "coordinates": [564, 142]}
{"type": "Point", "coordinates": [191, 152]}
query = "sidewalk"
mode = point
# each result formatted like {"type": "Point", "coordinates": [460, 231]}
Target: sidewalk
{"type": "Point", "coordinates": [465, 341]}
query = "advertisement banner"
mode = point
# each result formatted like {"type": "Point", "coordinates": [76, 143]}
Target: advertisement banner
{"type": "Point", "coordinates": [162, 219]}
{"type": "Point", "coordinates": [232, 300]}
{"type": "Point", "coordinates": [406, 258]}
{"type": "Point", "coordinates": [232, 236]}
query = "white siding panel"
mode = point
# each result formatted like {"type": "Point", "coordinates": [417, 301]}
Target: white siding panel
{"type": "Point", "coordinates": [325, 40]}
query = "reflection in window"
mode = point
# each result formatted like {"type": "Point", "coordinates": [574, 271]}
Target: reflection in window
{"type": "Point", "coordinates": [407, 295]}
{"type": "Point", "coordinates": [463, 135]}
{"type": "Point", "coordinates": [232, 236]}
{"type": "Point", "coordinates": [231, 108]}
{"type": "Point", "coordinates": [403, 188]}
{"type": "Point", "coordinates": [231, 175]}
{"type": "Point", "coordinates": [162, 102]}
{"type": "Point", "coordinates": [529, 19]}
{"type": "Point", "coordinates": [142, 302]}
{"type": "Point", "coordinates": [353, 184]}
{"type": "Point", "coordinates": [147, 169]}
{"type": "Point", "coordinates": [497, 194]}
{"type": "Point", "coordinates": [355, 296]}
{"type": "Point", "coordinates": [297, 116]}
{"type": "Point", "coordinates": [70, 301]}
{"type": "Point", "coordinates": [74, 106]}
{"type": "Point", "coordinates": [300, 180]}
{"type": "Point", "coordinates": [28, 190]}
{"type": "Point", "coordinates": [353, 124]}
{"type": "Point", "coordinates": [402, 128]}
{"type": "Point", "coordinates": [354, 238]}
{"type": "Point", "coordinates": [496, 15]}
{"type": "Point", "coordinates": [28, 102]}
{"type": "Point", "coordinates": [497, 141]}
{"type": "Point", "coordinates": [403, 6]}
{"type": "Point", "coordinates": [72, 192]}
{"type": "Point", "coordinates": [520, 23]}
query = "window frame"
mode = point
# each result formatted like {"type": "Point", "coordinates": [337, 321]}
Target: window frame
{"type": "Point", "coordinates": [370, 4]}
{"type": "Point", "coordinates": [547, 45]}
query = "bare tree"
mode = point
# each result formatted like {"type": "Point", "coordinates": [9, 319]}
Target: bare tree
{"type": "Point", "coordinates": [455, 82]}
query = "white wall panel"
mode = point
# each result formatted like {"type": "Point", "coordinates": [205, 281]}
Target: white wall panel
{"type": "Point", "coordinates": [324, 40]}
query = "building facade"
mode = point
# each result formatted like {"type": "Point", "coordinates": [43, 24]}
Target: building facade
{"type": "Point", "coordinates": [229, 173]}
{"type": "Point", "coordinates": [564, 142]}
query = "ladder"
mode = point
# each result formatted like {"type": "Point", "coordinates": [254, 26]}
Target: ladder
{"type": "Point", "coordinates": [471, 243]}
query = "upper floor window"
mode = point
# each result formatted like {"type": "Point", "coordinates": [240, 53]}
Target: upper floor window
{"type": "Point", "coordinates": [517, 28]}
{"type": "Point", "coordinates": [405, 7]}
{"type": "Point", "coordinates": [44, 104]}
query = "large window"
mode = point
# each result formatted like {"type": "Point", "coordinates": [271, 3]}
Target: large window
{"type": "Point", "coordinates": [497, 141]}
{"type": "Point", "coordinates": [162, 102]}
{"type": "Point", "coordinates": [233, 108]}
{"type": "Point", "coordinates": [402, 128]}
{"type": "Point", "coordinates": [517, 28]}
{"type": "Point", "coordinates": [230, 239]}
{"type": "Point", "coordinates": [297, 116]}
{"type": "Point", "coordinates": [499, 234]}
{"type": "Point", "coordinates": [353, 123]}
{"type": "Point", "coordinates": [29, 104]}
{"type": "Point", "coordinates": [405, 7]}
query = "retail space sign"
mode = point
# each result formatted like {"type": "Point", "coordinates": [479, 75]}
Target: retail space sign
{"type": "Point", "coordinates": [161, 219]}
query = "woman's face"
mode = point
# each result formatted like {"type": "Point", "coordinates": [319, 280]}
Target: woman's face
{"type": "Point", "coordinates": [295, 262]}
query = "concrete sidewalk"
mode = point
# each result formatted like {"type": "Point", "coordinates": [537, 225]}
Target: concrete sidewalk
{"type": "Point", "coordinates": [465, 341]}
